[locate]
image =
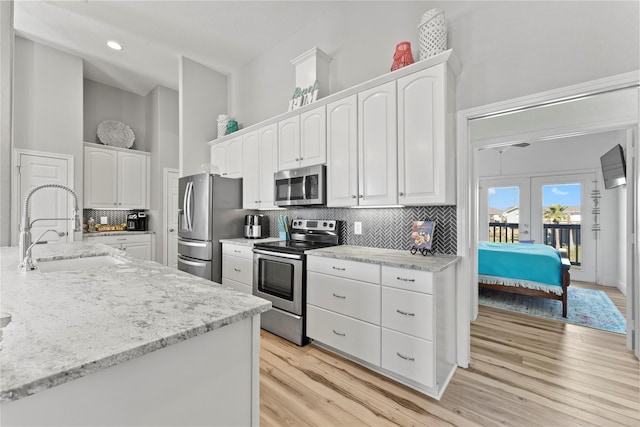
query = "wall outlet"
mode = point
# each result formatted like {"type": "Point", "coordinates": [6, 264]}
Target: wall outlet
{"type": "Point", "coordinates": [357, 227]}
{"type": "Point", "coordinates": [104, 220]}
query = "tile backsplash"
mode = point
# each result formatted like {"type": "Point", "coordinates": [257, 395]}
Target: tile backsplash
{"type": "Point", "coordinates": [115, 217]}
{"type": "Point", "coordinates": [381, 228]}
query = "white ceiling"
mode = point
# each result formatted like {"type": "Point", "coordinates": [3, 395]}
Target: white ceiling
{"type": "Point", "coordinates": [222, 35]}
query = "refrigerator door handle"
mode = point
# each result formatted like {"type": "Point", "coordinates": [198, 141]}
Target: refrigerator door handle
{"type": "Point", "coordinates": [189, 213]}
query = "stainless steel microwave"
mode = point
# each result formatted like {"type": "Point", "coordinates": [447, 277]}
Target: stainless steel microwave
{"type": "Point", "coordinates": [302, 186]}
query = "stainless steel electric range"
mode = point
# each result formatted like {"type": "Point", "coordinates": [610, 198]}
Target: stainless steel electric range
{"type": "Point", "coordinates": [279, 275]}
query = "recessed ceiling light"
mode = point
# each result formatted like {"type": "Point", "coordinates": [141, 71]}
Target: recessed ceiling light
{"type": "Point", "coordinates": [114, 45]}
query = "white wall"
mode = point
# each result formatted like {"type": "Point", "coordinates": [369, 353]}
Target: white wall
{"type": "Point", "coordinates": [507, 49]}
{"type": "Point", "coordinates": [202, 97]}
{"type": "Point", "coordinates": [563, 156]}
{"type": "Point", "coordinates": [6, 88]}
{"type": "Point", "coordinates": [162, 133]}
{"type": "Point", "coordinates": [47, 110]}
{"type": "Point", "coordinates": [102, 102]}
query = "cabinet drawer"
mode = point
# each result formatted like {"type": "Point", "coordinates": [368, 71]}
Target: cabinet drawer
{"type": "Point", "coordinates": [411, 280]}
{"type": "Point", "coordinates": [237, 286]}
{"type": "Point", "coordinates": [238, 269]}
{"type": "Point", "coordinates": [345, 296]}
{"type": "Point", "coordinates": [354, 337]}
{"type": "Point", "coordinates": [121, 239]}
{"type": "Point", "coordinates": [342, 268]}
{"type": "Point", "coordinates": [408, 356]}
{"type": "Point", "coordinates": [408, 312]}
{"type": "Point", "coordinates": [237, 250]}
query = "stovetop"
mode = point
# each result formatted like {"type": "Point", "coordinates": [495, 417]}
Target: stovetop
{"type": "Point", "coordinates": [306, 235]}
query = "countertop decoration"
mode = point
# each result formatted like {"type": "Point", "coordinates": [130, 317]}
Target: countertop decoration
{"type": "Point", "coordinates": [115, 134]}
{"type": "Point", "coordinates": [432, 33]}
{"type": "Point", "coordinates": [422, 237]}
{"type": "Point", "coordinates": [68, 324]}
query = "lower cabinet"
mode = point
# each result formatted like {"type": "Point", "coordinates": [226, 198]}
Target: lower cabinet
{"type": "Point", "coordinates": [138, 245]}
{"type": "Point", "coordinates": [237, 267]}
{"type": "Point", "coordinates": [398, 322]}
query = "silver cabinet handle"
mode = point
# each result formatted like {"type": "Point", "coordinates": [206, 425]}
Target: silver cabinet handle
{"type": "Point", "coordinates": [171, 230]}
{"type": "Point", "coordinates": [338, 268]}
{"type": "Point", "coordinates": [301, 158]}
{"type": "Point", "coordinates": [402, 279]}
{"type": "Point", "coordinates": [401, 194]}
{"type": "Point", "coordinates": [237, 269]}
{"type": "Point", "coordinates": [122, 239]}
{"type": "Point", "coordinates": [237, 251]}
{"type": "Point", "coordinates": [360, 196]}
{"type": "Point", "coordinates": [410, 359]}
{"type": "Point", "coordinates": [353, 196]}
{"type": "Point", "coordinates": [405, 313]}
{"type": "Point", "coordinates": [297, 159]}
{"type": "Point", "coordinates": [339, 296]}
{"type": "Point", "coordinates": [338, 333]}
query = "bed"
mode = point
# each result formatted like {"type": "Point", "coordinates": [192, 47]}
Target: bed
{"type": "Point", "coordinates": [523, 268]}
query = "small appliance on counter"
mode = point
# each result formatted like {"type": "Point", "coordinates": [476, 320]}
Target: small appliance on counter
{"type": "Point", "coordinates": [137, 221]}
{"type": "Point", "coordinates": [256, 226]}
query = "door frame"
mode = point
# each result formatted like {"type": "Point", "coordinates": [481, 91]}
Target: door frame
{"type": "Point", "coordinates": [16, 197]}
{"type": "Point", "coordinates": [467, 187]}
{"type": "Point", "coordinates": [165, 209]}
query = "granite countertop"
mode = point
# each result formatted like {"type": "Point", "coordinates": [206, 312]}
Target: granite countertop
{"type": "Point", "coordinates": [390, 257]}
{"type": "Point", "coordinates": [69, 324]}
{"type": "Point", "coordinates": [249, 242]}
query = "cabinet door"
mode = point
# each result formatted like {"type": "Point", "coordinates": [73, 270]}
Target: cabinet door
{"type": "Point", "coordinates": [268, 155]}
{"type": "Point", "coordinates": [141, 249]}
{"type": "Point", "coordinates": [132, 180]}
{"type": "Point", "coordinates": [233, 167]}
{"type": "Point", "coordinates": [342, 152]}
{"type": "Point", "coordinates": [377, 146]}
{"type": "Point", "coordinates": [313, 137]}
{"type": "Point", "coordinates": [289, 143]}
{"type": "Point", "coordinates": [100, 178]}
{"type": "Point", "coordinates": [250, 166]}
{"type": "Point", "coordinates": [218, 158]}
{"type": "Point", "coordinates": [422, 144]}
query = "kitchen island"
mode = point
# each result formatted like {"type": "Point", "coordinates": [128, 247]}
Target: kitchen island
{"type": "Point", "coordinates": [135, 343]}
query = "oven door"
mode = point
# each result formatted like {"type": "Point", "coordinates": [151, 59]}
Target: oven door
{"type": "Point", "coordinates": [278, 277]}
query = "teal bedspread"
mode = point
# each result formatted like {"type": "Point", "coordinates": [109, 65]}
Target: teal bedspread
{"type": "Point", "coordinates": [525, 264]}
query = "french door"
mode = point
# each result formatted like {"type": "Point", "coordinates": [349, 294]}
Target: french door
{"type": "Point", "coordinates": [552, 210]}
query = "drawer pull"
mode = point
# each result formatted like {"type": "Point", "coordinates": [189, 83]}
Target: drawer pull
{"type": "Point", "coordinates": [410, 359]}
{"type": "Point", "coordinates": [338, 333]}
{"type": "Point", "coordinates": [338, 268]}
{"type": "Point", "coordinates": [237, 269]}
{"type": "Point", "coordinates": [405, 280]}
{"type": "Point", "coordinates": [124, 238]}
{"type": "Point", "coordinates": [237, 251]}
{"type": "Point", "coordinates": [340, 296]}
{"type": "Point", "coordinates": [405, 313]}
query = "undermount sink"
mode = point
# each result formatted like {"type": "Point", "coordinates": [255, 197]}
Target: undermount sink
{"type": "Point", "coordinates": [78, 264]}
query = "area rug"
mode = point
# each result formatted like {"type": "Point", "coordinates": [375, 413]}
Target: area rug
{"type": "Point", "coordinates": [586, 307]}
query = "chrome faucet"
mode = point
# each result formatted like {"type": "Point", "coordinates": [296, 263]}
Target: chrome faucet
{"type": "Point", "coordinates": [25, 243]}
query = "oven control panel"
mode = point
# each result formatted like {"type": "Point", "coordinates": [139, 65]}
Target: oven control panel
{"type": "Point", "coordinates": [315, 224]}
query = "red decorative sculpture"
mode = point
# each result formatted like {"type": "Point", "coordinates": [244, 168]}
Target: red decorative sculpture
{"type": "Point", "coordinates": [403, 56]}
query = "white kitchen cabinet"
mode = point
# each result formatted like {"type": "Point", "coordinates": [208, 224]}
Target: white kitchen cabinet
{"type": "Point", "coordinates": [399, 322]}
{"type": "Point", "coordinates": [426, 144]}
{"type": "Point", "coordinates": [259, 165]}
{"type": "Point", "coordinates": [226, 158]}
{"type": "Point", "coordinates": [139, 245]}
{"type": "Point", "coordinates": [237, 267]}
{"type": "Point", "coordinates": [342, 152]}
{"type": "Point", "coordinates": [377, 146]}
{"type": "Point", "coordinates": [302, 140]}
{"type": "Point", "coordinates": [115, 178]}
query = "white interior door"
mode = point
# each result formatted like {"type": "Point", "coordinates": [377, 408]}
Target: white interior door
{"type": "Point", "coordinates": [171, 216]}
{"type": "Point", "coordinates": [36, 169]}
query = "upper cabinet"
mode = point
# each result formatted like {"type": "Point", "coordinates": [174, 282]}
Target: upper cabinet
{"type": "Point", "coordinates": [115, 178]}
{"type": "Point", "coordinates": [226, 158]}
{"type": "Point", "coordinates": [259, 163]}
{"type": "Point", "coordinates": [377, 146]}
{"type": "Point", "coordinates": [426, 145]}
{"type": "Point", "coordinates": [342, 152]}
{"type": "Point", "coordinates": [302, 140]}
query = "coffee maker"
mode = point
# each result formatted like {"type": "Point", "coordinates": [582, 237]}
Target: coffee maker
{"type": "Point", "coordinates": [256, 226]}
{"type": "Point", "coordinates": [137, 221]}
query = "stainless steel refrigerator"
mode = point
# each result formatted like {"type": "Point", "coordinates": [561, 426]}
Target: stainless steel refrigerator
{"type": "Point", "coordinates": [210, 209]}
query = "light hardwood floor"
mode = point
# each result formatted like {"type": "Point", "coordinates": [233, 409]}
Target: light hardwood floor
{"type": "Point", "coordinates": [524, 371]}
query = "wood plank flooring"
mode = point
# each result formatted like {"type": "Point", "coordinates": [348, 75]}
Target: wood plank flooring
{"type": "Point", "coordinates": [524, 371]}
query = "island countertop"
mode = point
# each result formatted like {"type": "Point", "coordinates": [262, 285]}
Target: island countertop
{"type": "Point", "coordinates": [390, 257]}
{"type": "Point", "coordinates": [68, 324]}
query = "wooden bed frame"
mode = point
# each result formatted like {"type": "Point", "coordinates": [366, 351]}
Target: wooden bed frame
{"type": "Point", "coordinates": [565, 279]}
